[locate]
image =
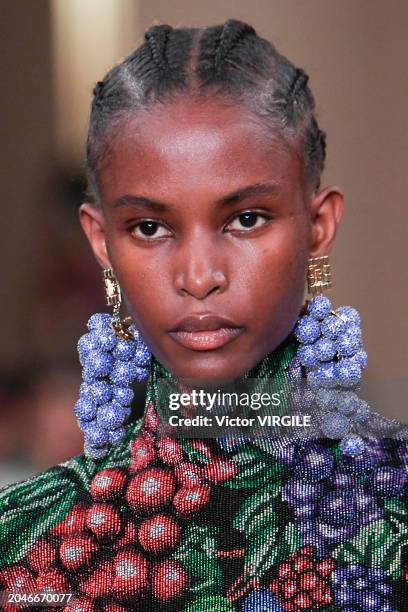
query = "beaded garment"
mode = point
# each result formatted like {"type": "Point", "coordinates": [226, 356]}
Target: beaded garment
{"type": "Point", "coordinates": [192, 525]}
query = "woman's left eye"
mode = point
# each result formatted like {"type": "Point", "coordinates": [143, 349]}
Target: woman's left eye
{"type": "Point", "coordinates": [248, 221]}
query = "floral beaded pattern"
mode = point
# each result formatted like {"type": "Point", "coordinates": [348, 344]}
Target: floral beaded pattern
{"type": "Point", "coordinates": [214, 525]}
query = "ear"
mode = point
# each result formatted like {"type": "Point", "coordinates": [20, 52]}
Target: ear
{"type": "Point", "coordinates": [92, 222]}
{"type": "Point", "coordinates": [326, 209]}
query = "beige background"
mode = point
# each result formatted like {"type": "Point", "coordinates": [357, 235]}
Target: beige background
{"type": "Point", "coordinates": [355, 53]}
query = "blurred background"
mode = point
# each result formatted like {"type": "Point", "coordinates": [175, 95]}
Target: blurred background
{"type": "Point", "coordinates": [51, 54]}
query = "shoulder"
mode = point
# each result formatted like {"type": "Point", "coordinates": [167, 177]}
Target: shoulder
{"type": "Point", "coordinates": [31, 507]}
{"type": "Point", "coordinates": [32, 510]}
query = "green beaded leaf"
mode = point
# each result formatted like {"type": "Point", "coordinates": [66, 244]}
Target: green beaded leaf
{"type": "Point", "coordinates": [194, 455]}
{"type": "Point", "coordinates": [378, 544]}
{"type": "Point", "coordinates": [254, 507]}
{"type": "Point", "coordinates": [396, 513]}
{"type": "Point", "coordinates": [396, 509]}
{"type": "Point", "coordinates": [197, 553]}
{"type": "Point", "coordinates": [29, 508]}
{"type": "Point", "coordinates": [255, 468]}
{"type": "Point", "coordinates": [268, 542]}
{"type": "Point", "coordinates": [209, 603]}
{"type": "Point", "coordinates": [269, 545]}
{"type": "Point", "coordinates": [83, 468]}
{"type": "Point", "coordinates": [334, 449]}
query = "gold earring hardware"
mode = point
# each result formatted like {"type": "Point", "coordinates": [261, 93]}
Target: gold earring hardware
{"type": "Point", "coordinates": [318, 279]}
{"type": "Point", "coordinates": [318, 275]}
{"type": "Point", "coordinates": [113, 297]}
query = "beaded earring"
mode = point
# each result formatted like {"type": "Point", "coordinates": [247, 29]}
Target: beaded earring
{"type": "Point", "coordinates": [113, 355]}
{"type": "Point", "coordinates": [331, 350]}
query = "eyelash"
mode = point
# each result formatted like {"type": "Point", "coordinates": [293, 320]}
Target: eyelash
{"type": "Point", "coordinates": [245, 212]}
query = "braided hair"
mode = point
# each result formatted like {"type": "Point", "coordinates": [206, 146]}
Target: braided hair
{"type": "Point", "coordinates": [228, 60]}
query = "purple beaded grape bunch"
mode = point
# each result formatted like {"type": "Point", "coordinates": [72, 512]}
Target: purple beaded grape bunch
{"type": "Point", "coordinates": [110, 366]}
{"type": "Point", "coordinates": [331, 350]}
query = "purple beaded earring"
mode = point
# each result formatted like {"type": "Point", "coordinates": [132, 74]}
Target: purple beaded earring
{"type": "Point", "coordinates": [331, 350]}
{"type": "Point", "coordinates": [113, 355]}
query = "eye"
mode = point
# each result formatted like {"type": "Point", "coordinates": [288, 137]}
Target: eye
{"type": "Point", "coordinates": [248, 221]}
{"type": "Point", "coordinates": [149, 229]}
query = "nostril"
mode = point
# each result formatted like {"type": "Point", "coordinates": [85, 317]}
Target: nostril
{"type": "Point", "coordinates": [199, 294]}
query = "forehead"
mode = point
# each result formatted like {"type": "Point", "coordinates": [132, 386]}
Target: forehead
{"type": "Point", "coordinates": [207, 145]}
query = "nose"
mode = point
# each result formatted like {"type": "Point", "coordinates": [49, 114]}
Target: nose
{"type": "Point", "coordinates": [200, 268]}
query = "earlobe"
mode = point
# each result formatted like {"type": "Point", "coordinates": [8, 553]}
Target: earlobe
{"type": "Point", "coordinates": [326, 212]}
{"type": "Point", "coordinates": [92, 222]}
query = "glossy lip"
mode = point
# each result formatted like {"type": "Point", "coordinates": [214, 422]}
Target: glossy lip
{"type": "Point", "coordinates": [205, 331]}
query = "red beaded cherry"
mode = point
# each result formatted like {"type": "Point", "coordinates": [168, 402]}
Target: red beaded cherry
{"type": "Point", "coordinates": [77, 551]}
{"type": "Point", "coordinates": [108, 484]}
{"type": "Point", "coordinates": [151, 490]}
{"type": "Point", "coordinates": [188, 474]}
{"type": "Point", "coordinates": [74, 522]}
{"type": "Point", "coordinates": [159, 534]}
{"type": "Point", "coordinates": [17, 578]}
{"type": "Point", "coordinates": [104, 520]}
{"type": "Point", "coordinates": [189, 500]}
{"type": "Point", "coordinates": [142, 454]}
{"type": "Point", "coordinates": [42, 555]}
{"type": "Point", "coordinates": [130, 573]}
{"type": "Point", "coordinates": [52, 580]}
{"type": "Point", "coordinates": [289, 587]}
{"type": "Point", "coordinates": [99, 582]}
{"type": "Point", "coordinates": [169, 579]}
{"type": "Point", "coordinates": [219, 470]}
{"type": "Point", "coordinates": [285, 570]}
{"type": "Point", "coordinates": [325, 566]}
{"type": "Point", "coordinates": [303, 580]}
{"type": "Point", "coordinates": [303, 601]}
{"type": "Point", "coordinates": [170, 451]}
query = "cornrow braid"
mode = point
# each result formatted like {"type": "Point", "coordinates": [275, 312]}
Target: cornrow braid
{"type": "Point", "coordinates": [299, 82]}
{"type": "Point", "coordinates": [228, 60]}
{"type": "Point", "coordinates": [315, 146]}
{"type": "Point", "coordinates": [233, 31]}
{"type": "Point", "coordinates": [157, 37]}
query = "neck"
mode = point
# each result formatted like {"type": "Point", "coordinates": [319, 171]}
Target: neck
{"type": "Point", "coordinates": [274, 365]}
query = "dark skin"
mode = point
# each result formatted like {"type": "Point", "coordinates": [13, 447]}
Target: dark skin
{"type": "Point", "coordinates": [200, 254]}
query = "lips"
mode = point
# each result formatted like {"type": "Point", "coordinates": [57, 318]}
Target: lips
{"type": "Point", "coordinates": [203, 322]}
{"type": "Point", "coordinates": [205, 331]}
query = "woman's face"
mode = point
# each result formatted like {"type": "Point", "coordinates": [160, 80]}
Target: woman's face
{"type": "Point", "coordinates": [204, 214]}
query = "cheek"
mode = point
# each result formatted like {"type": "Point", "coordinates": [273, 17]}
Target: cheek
{"type": "Point", "coordinates": [276, 268]}
{"type": "Point", "coordinates": [138, 274]}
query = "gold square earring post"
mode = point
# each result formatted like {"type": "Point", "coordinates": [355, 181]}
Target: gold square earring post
{"type": "Point", "coordinates": [112, 290]}
{"type": "Point", "coordinates": [113, 297]}
{"type": "Point", "coordinates": [319, 275]}
{"type": "Point", "coordinates": [319, 279]}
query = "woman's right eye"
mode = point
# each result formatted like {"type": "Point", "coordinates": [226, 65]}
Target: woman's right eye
{"type": "Point", "coordinates": [148, 229]}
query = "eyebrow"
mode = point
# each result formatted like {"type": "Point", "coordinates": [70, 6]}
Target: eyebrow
{"type": "Point", "coordinates": [232, 198]}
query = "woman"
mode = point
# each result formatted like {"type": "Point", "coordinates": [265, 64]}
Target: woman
{"type": "Point", "coordinates": [205, 212]}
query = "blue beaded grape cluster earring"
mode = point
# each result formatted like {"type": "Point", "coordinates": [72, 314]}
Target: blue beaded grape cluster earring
{"type": "Point", "coordinates": [113, 355]}
{"type": "Point", "coordinates": [331, 350]}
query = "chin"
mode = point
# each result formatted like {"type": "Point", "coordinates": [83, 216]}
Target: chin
{"type": "Point", "coordinates": [213, 366]}
{"type": "Point", "coordinates": [209, 369]}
